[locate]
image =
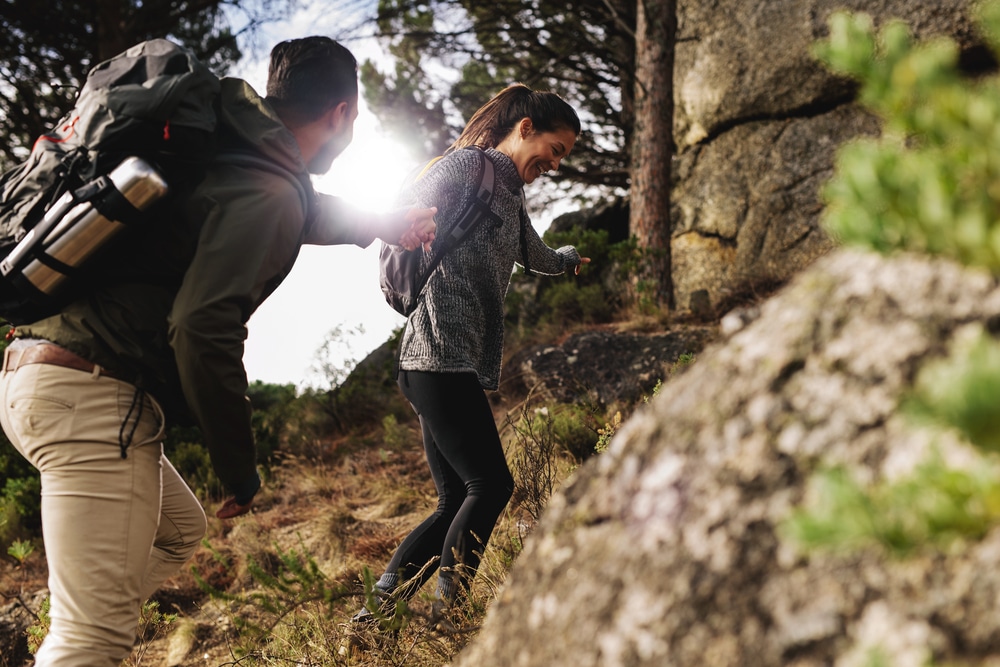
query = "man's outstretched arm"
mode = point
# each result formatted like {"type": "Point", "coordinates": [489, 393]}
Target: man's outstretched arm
{"type": "Point", "coordinates": [339, 222]}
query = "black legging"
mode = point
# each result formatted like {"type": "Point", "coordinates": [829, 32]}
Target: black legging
{"type": "Point", "coordinates": [471, 475]}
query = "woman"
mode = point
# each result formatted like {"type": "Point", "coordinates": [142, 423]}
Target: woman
{"type": "Point", "coordinates": [451, 348]}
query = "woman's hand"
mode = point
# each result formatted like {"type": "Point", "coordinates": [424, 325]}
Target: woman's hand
{"type": "Point", "coordinates": [583, 260]}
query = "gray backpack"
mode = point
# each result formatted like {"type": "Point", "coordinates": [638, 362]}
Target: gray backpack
{"type": "Point", "coordinates": [144, 123]}
{"type": "Point", "coordinates": [401, 275]}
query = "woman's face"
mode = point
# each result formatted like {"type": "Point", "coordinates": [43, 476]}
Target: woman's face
{"type": "Point", "coordinates": [535, 153]}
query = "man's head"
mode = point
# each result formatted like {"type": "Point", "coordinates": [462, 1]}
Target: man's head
{"type": "Point", "coordinates": [312, 83]}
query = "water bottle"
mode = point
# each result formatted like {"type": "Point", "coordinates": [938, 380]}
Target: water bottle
{"type": "Point", "coordinates": [74, 228]}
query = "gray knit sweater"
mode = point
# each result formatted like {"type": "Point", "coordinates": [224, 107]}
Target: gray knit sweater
{"type": "Point", "coordinates": [458, 323]}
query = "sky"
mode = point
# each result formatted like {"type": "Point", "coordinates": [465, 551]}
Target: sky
{"type": "Point", "coordinates": [331, 286]}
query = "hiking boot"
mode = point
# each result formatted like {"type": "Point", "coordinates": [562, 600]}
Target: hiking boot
{"type": "Point", "coordinates": [438, 618]}
{"type": "Point", "coordinates": [365, 617]}
{"type": "Point", "coordinates": [388, 617]}
{"type": "Point", "coordinates": [368, 629]}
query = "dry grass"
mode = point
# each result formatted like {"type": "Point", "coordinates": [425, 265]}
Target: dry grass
{"type": "Point", "coordinates": [289, 576]}
{"type": "Point", "coordinates": [342, 513]}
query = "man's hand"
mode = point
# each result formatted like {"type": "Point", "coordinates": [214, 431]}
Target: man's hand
{"type": "Point", "coordinates": [231, 509]}
{"type": "Point", "coordinates": [421, 228]}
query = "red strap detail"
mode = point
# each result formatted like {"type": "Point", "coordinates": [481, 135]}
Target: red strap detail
{"type": "Point", "coordinates": [166, 130]}
{"type": "Point", "coordinates": [67, 131]}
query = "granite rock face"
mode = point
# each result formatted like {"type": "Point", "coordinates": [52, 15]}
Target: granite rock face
{"type": "Point", "coordinates": [666, 549]}
{"type": "Point", "coordinates": [757, 123]}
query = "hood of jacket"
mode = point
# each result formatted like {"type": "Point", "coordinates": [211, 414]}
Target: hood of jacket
{"type": "Point", "coordinates": [248, 121]}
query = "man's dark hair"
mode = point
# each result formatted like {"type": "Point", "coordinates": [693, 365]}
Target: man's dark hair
{"type": "Point", "coordinates": [309, 76]}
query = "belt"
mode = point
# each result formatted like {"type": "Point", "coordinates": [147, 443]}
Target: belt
{"type": "Point", "coordinates": [52, 354]}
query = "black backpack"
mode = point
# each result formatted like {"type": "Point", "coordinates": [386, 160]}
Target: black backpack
{"type": "Point", "coordinates": [141, 134]}
{"type": "Point", "coordinates": [400, 276]}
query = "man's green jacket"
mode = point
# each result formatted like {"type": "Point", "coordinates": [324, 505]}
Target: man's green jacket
{"type": "Point", "coordinates": [172, 310]}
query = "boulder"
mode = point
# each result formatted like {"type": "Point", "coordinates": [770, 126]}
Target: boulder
{"type": "Point", "coordinates": [747, 205]}
{"type": "Point", "coordinates": [738, 62]}
{"type": "Point", "coordinates": [757, 122]}
{"type": "Point", "coordinates": [601, 367]}
{"type": "Point", "coordinates": [667, 548]}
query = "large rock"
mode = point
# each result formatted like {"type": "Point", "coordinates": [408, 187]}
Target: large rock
{"type": "Point", "coordinates": [602, 367]}
{"type": "Point", "coordinates": [757, 123]}
{"type": "Point", "coordinates": [747, 205]}
{"type": "Point", "coordinates": [666, 550]}
{"type": "Point", "coordinates": [739, 61]}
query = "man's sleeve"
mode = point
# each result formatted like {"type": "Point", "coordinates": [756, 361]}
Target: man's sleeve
{"type": "Point", "coordinates": [250, 233]}
{"type": "Point", "coordinates": [338, 222]}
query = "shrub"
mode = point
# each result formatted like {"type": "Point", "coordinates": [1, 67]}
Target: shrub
{"type": "Point", "coordinates": [930, 182]}
{"type": "Point", "coordinates": [192, 461]}
{"type": "Point", "coordinates": [20, 508]}
{"type": "Point", "coordinates": [592, 296]}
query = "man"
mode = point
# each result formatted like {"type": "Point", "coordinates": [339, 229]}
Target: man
{"type": "Point", "coordinates": [86, 393]}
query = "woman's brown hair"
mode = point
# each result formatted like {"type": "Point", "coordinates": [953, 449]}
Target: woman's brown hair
{"type": "Point", "coordinates": [495, 119]}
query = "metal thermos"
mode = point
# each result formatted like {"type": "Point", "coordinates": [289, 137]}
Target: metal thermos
{"type": "Point", "coordinates": [73, 229]}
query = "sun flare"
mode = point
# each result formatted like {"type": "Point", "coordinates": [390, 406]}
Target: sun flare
{"type": "Point", "coordinates": [371, 170]}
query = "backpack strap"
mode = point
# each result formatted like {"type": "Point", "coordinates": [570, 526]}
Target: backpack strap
{"type": "Point", "coordinates": [475, 210]}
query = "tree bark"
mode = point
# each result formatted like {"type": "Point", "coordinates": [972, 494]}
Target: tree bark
{"type": "Point", "coordinates": [653, 148]}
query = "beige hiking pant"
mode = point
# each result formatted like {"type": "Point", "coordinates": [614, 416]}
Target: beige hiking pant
{"type": "Point", "coordinates": [114, 528]}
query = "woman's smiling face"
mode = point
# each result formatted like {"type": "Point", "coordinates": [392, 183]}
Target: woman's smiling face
{"type": "Point", "coordinates": [535, 153]}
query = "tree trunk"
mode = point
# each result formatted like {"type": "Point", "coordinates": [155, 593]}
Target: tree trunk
{"type": "Point", "coordinates": [111, 39]}
{"type": "Point", "coordinates": [653, 148]}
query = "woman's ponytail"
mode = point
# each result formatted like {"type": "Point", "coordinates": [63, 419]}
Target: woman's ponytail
{"type": "Point", "coordinates": [493, 121]}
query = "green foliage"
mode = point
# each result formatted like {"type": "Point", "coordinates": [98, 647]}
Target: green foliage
{"type": "Point", "coordinates": [607, 432]}
{"type": "Point", "coordinates": [20, 550]}
{"type": "Point", "coordinates": [961, 391]}
{"type": "Point", "coordinates": [291, 581]}
{"type": "Point", "coordinates": [934, 506]}
{"type": "Point", "coordinates": [571, 428]}
{"type": "Point", "coordinates": [37, 631]}
{"type": "Point", "coordinates": [152, 624]}
{"type": "Point", "coordinates": [361, 396]}
{"type": "Point", "coordinates": [393, 434]}
{"type": "Point", "coordinates": [192, 461]}
{"type": "Point", "coordinates": [683, 361]}
{"type": "Point", "coordinates": [593, 296]}
{"type": "Point", "coordinates": [21, 507]}
{"type": "Point", "coordinates": [275, 411]}
{"type": "Point", "coordinates": [570, 302]}
{"type": "Point", "coordinates": [20, 486]}
{"type": "Point", "coordinates": [407, 103]}
{"type": "Point", "coordinates": [876, 657]}
{"type": "Point", "coordinates": [287, 611]}
{"type": "Point", "coordinates": [610, 428]}
{"type": "Point", "coordinates": [931, 183]}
